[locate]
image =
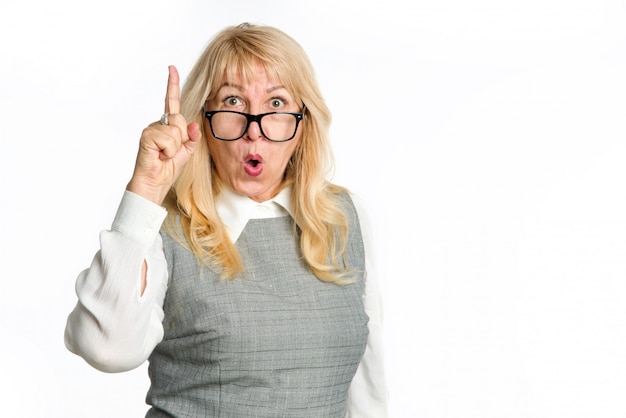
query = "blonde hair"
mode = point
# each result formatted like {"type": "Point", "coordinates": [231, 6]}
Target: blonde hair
{"type": "Point", "coordinates": [317, 208]}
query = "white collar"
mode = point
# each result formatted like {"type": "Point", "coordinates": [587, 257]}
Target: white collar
{"type": "Point", "coordinates": [236, 210]}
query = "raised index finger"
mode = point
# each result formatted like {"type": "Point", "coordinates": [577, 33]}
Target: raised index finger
{"type": "Point", "coordinates": [172, 97]}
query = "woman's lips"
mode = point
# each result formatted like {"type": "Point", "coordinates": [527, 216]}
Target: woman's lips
{"type": "Point", "coordinates": [253, 164]}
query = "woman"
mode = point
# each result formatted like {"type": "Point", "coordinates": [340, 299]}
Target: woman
{"type": "Point", "coordinates": [232, 264]}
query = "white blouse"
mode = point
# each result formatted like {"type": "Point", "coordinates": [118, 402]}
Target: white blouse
{"type": "Point", "coordinates": [115, 328]}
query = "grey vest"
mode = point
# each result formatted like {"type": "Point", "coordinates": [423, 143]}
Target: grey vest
{"type": "Point", "coordinates": [274, 342]}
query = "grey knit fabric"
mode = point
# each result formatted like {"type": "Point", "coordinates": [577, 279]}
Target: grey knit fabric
{"type": "Point", "coordinates": [275, 342]}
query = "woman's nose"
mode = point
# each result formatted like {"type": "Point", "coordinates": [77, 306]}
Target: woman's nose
{"type": "Point", "coordinates": [253, 132]}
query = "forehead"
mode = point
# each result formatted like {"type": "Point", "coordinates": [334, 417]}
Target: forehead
{"type": "Point", "coordinates": [258, 83]}
{"type": "Point", "coordinates": [248, 75]}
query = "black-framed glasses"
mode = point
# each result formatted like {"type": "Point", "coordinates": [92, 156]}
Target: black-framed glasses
{"type": "Point", "coordinates": [228, 125]}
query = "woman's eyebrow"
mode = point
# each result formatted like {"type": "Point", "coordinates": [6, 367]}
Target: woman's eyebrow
{"type": "Point", "coordinates": [274, 88]}
{"type": "Point", "coordinates": [227, 84]}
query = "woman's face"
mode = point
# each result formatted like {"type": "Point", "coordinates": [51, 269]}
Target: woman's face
{"type": "Point", "coordinates": [252, 166]}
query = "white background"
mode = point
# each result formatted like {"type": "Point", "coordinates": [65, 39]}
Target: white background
{"type": "Point", "coordinates": [487, 138]}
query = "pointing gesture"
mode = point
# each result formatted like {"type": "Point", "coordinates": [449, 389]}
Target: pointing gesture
{"type": "Point", "coordinates": [172, 95]}
{"type": "Point", "coordinates": [164, 147]}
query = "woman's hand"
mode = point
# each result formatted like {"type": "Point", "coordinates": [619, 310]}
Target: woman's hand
{"type": "Point", "coordinates": [164, 149]}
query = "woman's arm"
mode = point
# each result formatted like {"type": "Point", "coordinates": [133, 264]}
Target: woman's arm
{"type": "Point", "coordinates": [368, 391]}
{"type": "Point", "coordinates": [116, 322]}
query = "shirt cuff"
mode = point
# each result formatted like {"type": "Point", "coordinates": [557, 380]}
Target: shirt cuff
{"type": "Point", "coordinates": [138, 218]}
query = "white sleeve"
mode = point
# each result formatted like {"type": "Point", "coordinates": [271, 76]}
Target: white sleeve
{"type": "Point", "coordinates": [113, 327]}
{"type": "Point", "coordinates": [368, 396]}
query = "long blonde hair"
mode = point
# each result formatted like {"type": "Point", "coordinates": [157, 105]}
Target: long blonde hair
{"type": "Point", "coordinates": [317, 209]}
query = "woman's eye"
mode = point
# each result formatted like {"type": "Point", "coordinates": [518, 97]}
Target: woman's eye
{"type": "Point", "coordinates": [276, 103]}
{"type": "Point", "coordinates": [232, 101]}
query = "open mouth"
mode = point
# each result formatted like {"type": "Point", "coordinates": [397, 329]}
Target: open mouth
{"type": "Point", "coordinates": [253, 164]}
